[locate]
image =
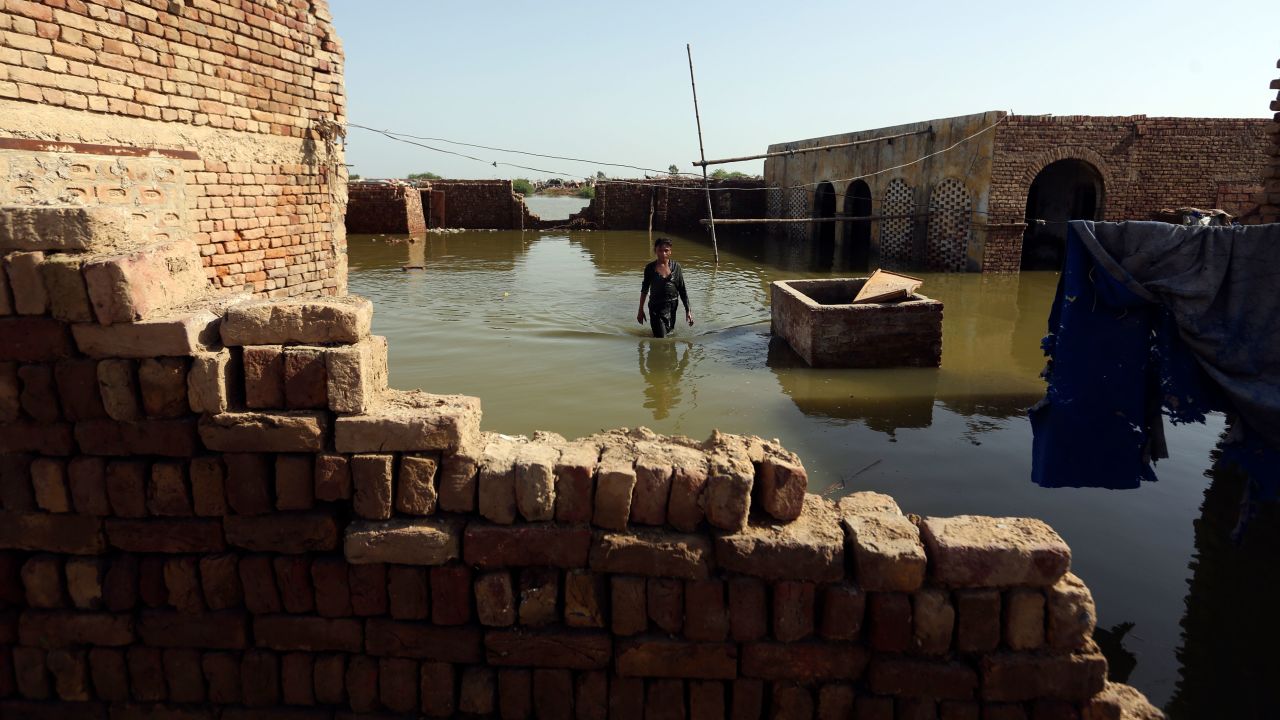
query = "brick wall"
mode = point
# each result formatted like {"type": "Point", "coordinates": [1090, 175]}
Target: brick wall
{"type": "Point", "coordinates": [481, 204]}
{"type": "Point", "coordinates": [215, 507]}
{"type": "Point", "coordinates": [678, 205]}
{"type": "Point", "coordinates": [1146, 163]}
{"type": "Point", "coordinates": [375, 207]}
{"type": "Point", "coordinates": [1270, 201]}
{"type": "Point", "coordinates": [216, 119]}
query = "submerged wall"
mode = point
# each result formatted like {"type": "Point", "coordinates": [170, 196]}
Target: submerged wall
{"type": "Point", "coordinates": [480, 204]}
{"type": "Point", "coordinates": [675, 205]}
{"type": "Point", "coordinates": [379, 207]}
{"type": "Point", "coordinates": [218, 121]}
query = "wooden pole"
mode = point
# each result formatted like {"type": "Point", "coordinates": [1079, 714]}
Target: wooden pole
{"type": "Point", "coordinates": [706, 184]}
{"type": "Point", "coordinates": [651, 194]}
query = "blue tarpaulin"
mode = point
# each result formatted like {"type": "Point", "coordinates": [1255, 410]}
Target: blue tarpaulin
{"type": "Point", "coordinates": [1152, 320]}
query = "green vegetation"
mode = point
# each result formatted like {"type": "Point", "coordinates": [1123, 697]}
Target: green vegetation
{"type": "Point", "coordinates": [586, 191]}
{"type": "Point", "coordinates": [423, 176]}
{"type": "Point", "coordinates": [727, 175]}
{"type": "Point", "coordinates": [522, 186]}
{"type": "Point", "coordinates": [673, 169]}
{"type": "Point", "coordinates": [353, 177]}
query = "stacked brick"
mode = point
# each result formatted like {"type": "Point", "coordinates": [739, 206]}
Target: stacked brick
{"type": "Point", "coordinates": [1270, 201]}
{"type": "Point", "coordinates": [246, 98]}
{"type": "Point", "coordinates": [215, 507]}
{"type": "Point", "coordinates": [377, 207]}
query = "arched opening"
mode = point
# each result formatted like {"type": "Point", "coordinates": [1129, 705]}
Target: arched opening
{"type": "Point", "coordinates": [1064, 190]}
{"type": "Point", "coordinates": [857, 234]}
{"type": "Point", "coordinates": [824, 233]}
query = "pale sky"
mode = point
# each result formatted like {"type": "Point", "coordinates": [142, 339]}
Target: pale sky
{"type": "Point", "coordinates": [609, 81]}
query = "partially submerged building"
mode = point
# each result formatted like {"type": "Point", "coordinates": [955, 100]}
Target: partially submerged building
{"type": "Point", "coordinates": [990, 192]}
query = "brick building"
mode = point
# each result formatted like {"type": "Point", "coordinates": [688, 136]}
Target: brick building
{"type": "Point", "coordinates": [986, 182]}
{"type": "Point", "coordinates": [1270, 210]}
{"type": "Point", "coordinates": [214, 121]}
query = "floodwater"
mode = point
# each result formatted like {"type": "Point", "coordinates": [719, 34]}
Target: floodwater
{"type": "Point", "coordinates": [555, 207]}
{"type": "Point", "coordinates": [542, 328]}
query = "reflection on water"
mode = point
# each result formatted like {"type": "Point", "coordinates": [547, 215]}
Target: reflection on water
{"type": "Point", "coordinates": [542, 328]}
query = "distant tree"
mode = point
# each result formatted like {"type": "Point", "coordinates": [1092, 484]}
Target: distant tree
{"type": "Point", "coordinates": [423, 176]}
{"type": "Point", "coordinates": [353, 177]}
{"type": "Point", "coordinates": [673, 169]}
{"type": "Point", "coordinates": [601, 176]}
{"type": "Point", "coordinates": [728, 175]}
{"type": "Point", "coordinates": [522, 186]}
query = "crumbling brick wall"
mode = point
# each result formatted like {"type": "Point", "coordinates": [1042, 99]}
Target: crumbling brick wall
{"type": "Point", "coordinates": [378, 207]}
{"type": "Point", "coordinates": [481, 204]}
{"type": "Point", "coordinates": [212, 506]}
{"type": "Point", "coordinates": [1146, 164]}
{"type": "Point", "coordinates": [218, 120]}
{"type": "Point", "coordinates": [1270, 200]}
{"type": "Point", "coordinates": [677, 205]}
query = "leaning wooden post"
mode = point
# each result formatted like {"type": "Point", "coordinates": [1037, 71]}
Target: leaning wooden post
{"type": "Point", "coordinates": [706, 184]}
{"type": "Point", "coordinates": [652, 191]}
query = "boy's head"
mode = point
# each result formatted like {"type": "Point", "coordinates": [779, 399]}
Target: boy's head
{"type": "Point", "coordinates": [660, 242]}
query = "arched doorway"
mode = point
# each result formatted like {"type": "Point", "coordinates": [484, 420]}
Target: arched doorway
{"type": "Point", "coordinates": [1064, 190]}
{"type": "Point", "coordinates": [824, 233]}
{"type": "Point", "coordinates": [857, 235]}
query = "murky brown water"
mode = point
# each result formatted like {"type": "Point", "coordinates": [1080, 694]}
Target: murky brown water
{"type": "Point", "coordinates": [542, 328]}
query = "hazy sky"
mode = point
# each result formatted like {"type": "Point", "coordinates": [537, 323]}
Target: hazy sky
{"type": "Point", "coordinates": [609, 81]}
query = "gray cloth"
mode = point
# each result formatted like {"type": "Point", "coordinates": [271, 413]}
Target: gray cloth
{"type": "Point", "coordinates": [1222, 285]}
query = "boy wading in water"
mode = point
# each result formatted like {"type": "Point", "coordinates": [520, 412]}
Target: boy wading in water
{"type": "Point", "coordinates": [664, 278]}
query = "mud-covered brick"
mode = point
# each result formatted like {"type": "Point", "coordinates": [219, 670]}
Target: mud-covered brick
{"type": "Point", "coordinates": [889, 620]}
{"type": "Point", "coordinates": [664, 598]}
{"type": "Point", "coordinates": [356, 374]}
{"type": "Point", "coordinates": [208, 486]}
{"type": "Point", "coordinates": [260, 678]}
{"type": "Point", "coordinates": [220, 581]}
{"type": "Point", "coordinates": [398, 681]}
{"type": "Point", "coordinates": [781, 483]}
{"type": "Point", "coordinates": [803, 661]}
{"type": "Point", "coordinates": [626, 698]}
{"type": "Point", "coordinates": [295, 482]}
{"type": "Point", "coordinates": [213, 382]}
{"type": "Point", "coordinates": [584, 599]}
{"type": "Point", "coordinates": [163, 382]}
{"type": "Point", "coordinates": [919, 708]}
{"type": "Point", "coordinates": [977, 620]}
{"type": "Point", "coordinates": [293, 431]}
{"type": "Point", "coordinates": [458, 479]}
{"type": "Point", "coordinates": [77, 381]}
{"type": "Point", "coordinates": [971, 551]}
{"type": "Point", "coordinates": [411, 421]}
{"type": "Point", "coordinates": [146, 674]}
{"type": "Point", "coordinates": [688, 482]}
{"type": "Point", "coordinates": [42, 577]}
{"type": "Point", "coordinates": [39, 397]}
{"type": "Point", "coordinates": [438, 686]}
{"type": "Point", "coordinates": [426, 541]}
{"type": "Point", "coordinates": [748, 609]}
{"type": "Point", "coordinates": [664, 700]}
{"type": "Point", "coordinates": [127, 488]}
{"type": "Point", "coordinates": [652, 552]}
{"type": "Point", "coordinates": [222, 673]}
{"type": "Point", "coordinates": [726, 497]}
{"type": "Point", "coordinates": [615, 484]}
{"type": "Point", "coordinates": [10, 391]}
{"type": "Point", "coordinates": [263, 376]}
{"type": "Point", "coordinates": [330, 679]}
{"type": "Point", "coordinates": [297, 679]}
{"type": "Point", "coordinates": [259, 582]}
{"type": "Point", "coordinates": [29, 294]}
{"type": "Point", "coordinates": [49, 484]}
{"type": "Point", "coordinates": [808, 548]}
{"type": "Point", "coordinates": [535, 482]}
{"type": "Point", "coordinates": [935, 619]}
{"type": "Point", "coordinates": [120, 586]}
{"type": "Point", "coordinates": [553, 694]}
{"type": "Point", "coordinates": [790, 701]}
{"type": "Point", "coordinates": [118, 386]}
{"type": "Point", "coordinates": [306, 382]}
{"type": "Point", "coordinates": [341, 320]}
{"type": "Point", "coordinates": [591, 695]}
{"type": "Point", "coordinates": [706, 700]}
{"type": "Point", "coordinates": [1024, 619]}
{"type": "Point", "coordinates": [293, 578]}
{"type": "Point", "coordinates": [248, 483]}
{"type": "Point", "coordinates": [628, 609]}
{"type": "Point", "coordinates": [450, 595]}
{"type": "Point", "coordinates": [477, 690]}
{"type": "Point", "coordinates": [84, 581]}
{"type": "Point", "coordinates": [794, 607]}
{"type": "Point", "coordinates": [368, 589]}
{"type": "Point", "coordinates": [515, 694]}
{"type": "Point", "coordinates": [70, 670]}
{"type": "Point", "coordinates": [152, 590]}
{"type": "Point", "coordinates": [495, 599]}
{"type": "Point", "coordinates": [653, 485]}
{"type": "Point", "coordinates": [167, 494]}
{"type": "Point", "coordinates": [1071, 613]}
{"type": "Point", "coordinates": [660, 656]}
{"type": "Point", "coordinates": [294, 532]}
{"type": "Point", "coordinates": [225, 630]}
{"type": "Point", "coordinates": [1019, 677]}
{"type": "Point", "coordinates": [1054, 710]}
{"type": "Point", "coordinates": [416, 485]}
{"type": "Point", "coordinates": [575, 482]}
{"type": "Point", "coordinates": [959, 710]}
{"type": "Point", "coordinates": [72, 534]}
{"type": "Point", "coordinates": [539, 594]}
{"type": "Point", "coordinates": [558, 648]}
{"type": "Point", "coordinates": [182, 580]}
{"type": "Point", "coordinates": [34, 339]}
{"type": "Point", "coordinates": [888, 555]}
{"type": "Point", "coordinates": [109, 674]}
{"type": "Point", "coordinates": [407, 593]}
{"type": "Point", "coordinates": [873, 707]}
{"type": "Point", "coordinates": [183, 675]}
{"type": "Point", "coordinates": [843, 608]}
{"type": "Point", "coordinates": [497, 481]}
{"type": "Point", "coordinates": [835, 701]}
{"type": "Point", "coordinates": [63, 628]}
{"type": "Point", "coordinates": [330, 577]}
{"type": "Point", "coordinates": [333, 477]}
{"type": "Point", "coordinates": [30, 673]}
{"type": "Point", "coordinates": [706, 616]}
{"type": "Point", "coordinates": [746, 700]}
{"type": "Point", "coordinates": [535, 544]}
{"type": "Point", "coordinates": [371, 476]}
{"type": "Point", "coordinates": [64, 283]}
{"type": "Point", "coordinates": [87, 483]}
{"type": "Point", "coordinates": [909, 677]}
